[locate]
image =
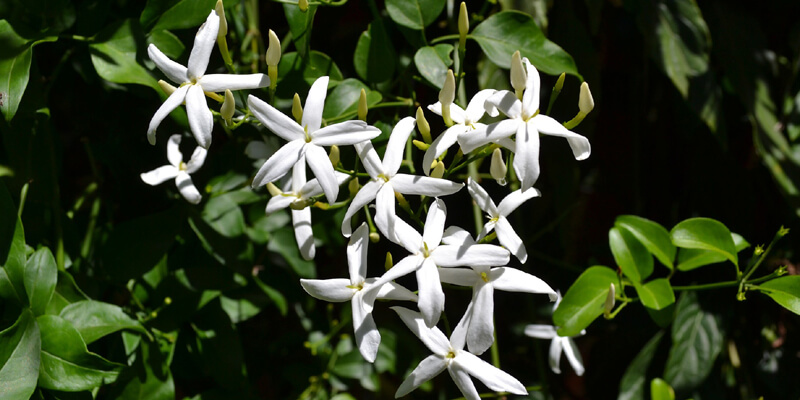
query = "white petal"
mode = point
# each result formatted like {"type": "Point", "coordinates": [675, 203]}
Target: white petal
{"type": "Point", "coordinates": [463, 381]}
{"type": "Point", "coordinates": [197, 160]}
{"type": "Point", "coordinates": [530, 98]}
{"type": "Point", "coordinates": [514, 280]}
{"type": "Point", "coordinates": [440, 144]}
{"type": "Point", "coordinates": [457, 114]}
{"type": "Point", "coordinates": [368, 339]}
{"type": "Point", "coordinates": [201, 121]}
{"type": "Point", "coordinates": [344, 134]}
{"type": "Point", "coordinates": [315, 102]}
{"type": "Point", "coordinates": [481, 198]}
{"type": "Point", "coordinates": [487, 255]}
{"type": "Point", "coordinates": [334, 290]}
{"type": "Point", "coordinates": [203, 44]}
{"type": "Point", "coordinates": [319, 162]}
{"type": "Point", "coordinates": [431, 296]}
{"type": "Point", "coordinates": [385, 218]}
{"type": "Point", "coordinates": [580, 146]}
{"type": "Point", "coordinates": [458, 339]}
{"type": "Point", "coordinates": [220, 82]}
{"type": "Point", "coordinates": [173, 150]}
{"type": "Point", "coordinates": [174, 71]}
{"type": "Point", "coordinates": [364, 196]}
{"type": "Point", "coordinates": [434, 224]}
{"type": "Point", "coordinates": [279, 202]}
{"type": "Point", "coordinates": [487, 228]}
{"type": "Point", "coordinates": [159, 175]}
{"type": "Point", "coordinates": [494, 378]}
{"type": "Point", "coordinates": [515, 199]}
{"type": "Point", "coordinates": [393, 155]}
{"type": "Point", "coordinates": [357, 254]}
{"type": "Point", "coordinates": [476, 107]}
{"type": "Point", "coordinates": [433, 338]}
{"type": "Point", "coordinates": [275, 120]}
{"type": "Point", "coordinates": [555, 355]}
{"type": "Point", "coordinates": [426, 370]}
{"type": "Point", "coordinates": [493, 133]}
{"type": "Point", "coordinates": [312, 187]}
{"type": "Point", "coordinates": [526, 159]}
{"type": "Point", "coordinates": [301, 222]}
{"type": "Point", "coordinates": [507, 102]}
{"type": "Point", "coordinates": [299, 175]}
{"type": "Point", "coordinates": [172, 102]}
{"type": "Point", "coordinates": [541, 331]}
{"type": "Point", "coordinates": [480, 335]}
{"type": "Point", "coordinates": [457, 236]}
{"type": "Point", "coordinates": [187, 189]}
{"type": "Point", "coordinates": [403, 267]}
{"type": "Point", "coordinates": [369, 158]}
{"type": "Point", "coordinates": [573, 356]}
{"type": "Point", "coordinates": [458, 276]}
{"type": "Point", "coordinates": [280, 163]}
{"type": "Point", "coordinates": [424, 185]}
{"type": "Point", "coordinates": [393, 291]}
{"type": "Point", "coordinates": [510, 240]}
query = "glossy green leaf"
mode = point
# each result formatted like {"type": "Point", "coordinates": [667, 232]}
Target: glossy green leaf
{"type": "Point", "coordinates": [66, 293]}
{"type": "Point", "coordinates": [296, 74]}
{"type": "Point", "coordinates": [705, 234]}
{"type": "Point", "coordinates": [12, 251]}
{"type": "Point", "coordinates": [630, 254]}
{"type": "Point", "coordinates": [584, 300]}
{"type": "Point", "coordinates": [284, 243]}
{"type": "Point", "coordinates": [785, 291]}
{"type": "Point", "coordinates": [274, 295]}
{"type": "Point", "coordinates": [114, 56]}
{"type": "Point", "coordinates": [414, 14]}
{"type": "Point", "coordinates": [697, 339]}
{"type": "Point", "coordinates": [95, 319]}
{"type": "Point", "coordinates": [343, 100]}
{"type": "Point", "coordinates": [41, 274]}
{"type": "Point", "coordinates": [19, 358]}
{"type": "Point", "coordinates": [689, 259]}
{"type": "Point", "coordinates": [656, 294]}
{"type": "Point", "coordinates": [652, 235]}
{"type": "Point", "coordinates": [15, 65]}
{"type": "Point", "coordinates": [300, 24]}
{"type": "Point", "coordinates": [149, 378]}
{"type": "Point", "coordinates": [374, 58]}
{"type": "Point", "coordinates": [433, 63]}
{"type": "Point", "coordinates": [239, 309]}
{"type": "Point", "coordinates": [664, 317]}
{"type": "Point", "coordinates": [167, 42]}
{"type": "Point", "coordinates": [176, 14]}
{"type": "Point", "coordinates": [224, 214]}
{"type": "Point", "coordinates": [508, 31]}
{"type": "Point", "coordinates": [66, 363]}
{"type": "Point", "coordinates": [632, 385]}
{"type": "Point", "coordinates": [661, 390]}
{"type": "Point", "coordinates": [386, 359]}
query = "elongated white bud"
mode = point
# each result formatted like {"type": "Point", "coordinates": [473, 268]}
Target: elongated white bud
{"type": "Point", "coordinates": [334, 155]}
{"type": "Point", "coordinates": [463, 25]}
{"type": "Point", "coordinates": [274, 49]}
{"type": "Point", "coordinates": [362, 106]}
{"type": "Point", "coordinates": [273, 190]}
{"type": "Point", "coordinates": [518, 74]}
{"type": "Point", "coordinates": [438, 169]}
{"type": "Point", "coordinates": [423, 126]}
{"type": "Point", "coordinates": [447, 95]}
{"type": "Point", "coordinates": [166, 87]}
{"type": "Point", "coordinates": [297, 109]}
{"type": "Point", "coordinates": [498, 167]}
{"type": "Point", "coordinates": [223, 23]}
{"type": "Point", "coordinates": [228, 107]}
{"type": "Point", "coordinates": [585, 101]}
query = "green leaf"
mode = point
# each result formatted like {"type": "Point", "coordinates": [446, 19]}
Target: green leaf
{"type": "Point", "coordinates": [176, 14]}
{"type": "Point", "coordinates": [705, 234]}
{"type": "Point", "coordinates": [15, 65]}
{"type": "Point", "coordinates": [631, 387]}
{"type": "Point", "coordinates": [663, 318]}
{"type": "Point", "coordinates": [374, 58]}
{"type": "Point", "coordinates": [12, 251]}
{"type": "Point", "coordinates": [351, 365]}
{"type": "Point", "coordinates": [95, 319]}
{"type": "Point", "coordinates": [696, 342]}
{"type": "Point", "coordinates": [300, 24]}
{"type": "Point", "coordinates": [273, 294]}
{"type": "Point", "coordinates": [239, 309]}
{"type": "Point", "coordinates": [41, 274]}
{"type": "Point", "coordinates": [114, 56]}
{"type": "Point", "coordinates": [386, 359]}
{"type": "Point", "coordinates": [784, 290]}
{"type": "Point", "coordinates": [656, 294]}
{"type": "Point", "coordinates": [220, 348]}
{"type": "Point", "coordinates": [414, 14]}
{"type": "Point", "coordinates": [343, 100]}
{"type": "Point", "coordinates": [630, 254]}
{"type": "Point", "coordinates": [223, 213]}
{"type": "Point", "coordinates": [168, 43]}
{"type": "Point", "coordinates": [660, 390]}
{"type": "Point", "coordinates": [584, 300]}
{"type": "Point", "coordinates": [19, 358]}
{"type": "Point", "coordinates": [508, 31]}
{"type": "Point", "coordinates": [149, 378]}
{"type": "Point", "coordinates": [66, 363]}
{"type": "Point", "coordinates": [433, 63]}
{"type": "Point", "coordinates": [652, 235]}
{"type": "Point", "coordinates": [296, 72]}
{"type": "Point", "coordinates": [284, 243]}
{"type": "Point", "coordinates": [689, 259]}
{"type": "Point", "coordinates": [66, 293]}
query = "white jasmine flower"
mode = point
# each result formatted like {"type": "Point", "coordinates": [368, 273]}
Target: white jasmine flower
{"type": "Point", "coordinates": [527, 123]}
{"type": "Point", "coordinates": [498, 220]}
{"type": "Point", "coordinates": [450, 355]}
{"type": "Point", "coordinates": [337, 290]}
{"type": "Point", "coordinates": [307, 139]}
{"type": "Point", "coordinates": [194, 82]}
{"type": "Point", "coordinates": [178, 170]}
{"type": "Point", "coordinates": [386, 181]}
{"type": "Point", "coordinates": [558, 344]}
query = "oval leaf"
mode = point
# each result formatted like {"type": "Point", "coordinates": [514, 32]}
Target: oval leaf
{"type": "Point", "coordinates": [652, 235]}
{"type": "Point", "coordinates": [343, 100]}
{"type": "Point", "coordinates": [374, 58]}
{"type": "Point", "coordinates": [414, 14]}
{"type": "Point", "coordinates": [433, 62]}
{"type": "Point", "coordinates": [300, 24]}
{"type": "Point", "coordinates": [15, 66]}
{"type": "Point", "coordinates": [631, 256]}
{"type": "Point", "coordinates": [689, 259]}
{"type": "Point", "coordinates": [656, 294]}
{"type": "Point", "coordinates": [41, 274]}
{"type": "Point", "coordinates": [114, 56]}
{"type": "Point", "coordinates": [584, 300]}
{"type": "Point", "coordinates": [632, 384]}
{"type": "Point", "coordinates": [66, 292]}
{"type": "Point", "coordinates": [19, 358]}
{"type": "Point", "coordinates": [95, 319]}
{"type": "Point", "coordinates": [785, 291]}
{"type": "Point", "coordinates": [705, 234]}
{"type": "Point", "coordinates": [12, 251]}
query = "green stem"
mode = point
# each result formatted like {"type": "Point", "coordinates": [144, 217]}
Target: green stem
{"type": "Point", "coordinates": [446, 37]}
{"type": "Point", "coordinates": [718, 285]}
{"type": "Point", "coordinates": [23, 194]}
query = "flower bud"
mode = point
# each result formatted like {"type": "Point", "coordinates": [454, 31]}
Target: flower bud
{"type": "Point", "coordinates": [447, 95]}
{"type": "Point", "coordinates": [420, 145]}
{"type": "Point", "coordinates": [223, 23]}
{"type": "Point", "coordinates": [498, 167]}
{"type": "Point", "coordinates": [228, 107]}
{"type": "Point", "coordinates": [423, 126]}
{"type": "Point", "coordinates": [389, 263]}
{"type": "Point", "coordinates": [273, 190]}
{"type": "Point", "coordinates": [463, 25]}
{"type": "Point", "coordinates": [560, 82]}
{"type": "Point", "coordinates": [166, 87]}
{"type": "Point", "coordinates": [519, 76]}
{"type": "Point", "coordinates": [334, 155]}
{"type": "Point", "coordinates": [297, 109]}
{"type": "Point", "coordinates": [438, 169]}
{"type": "Point", "coordinates": [274, 49]}
{"type": "Point", "coordinates": [303, 4]}
{"type": "Point", "coordinates": [353, 187]}
{"type": "Point", "coordinates": [585, 101]}
{"type": "Point", "coordinates": [610, 300]}
{"type": "Point", "coordinates": [374, 237]}
{"type": "Point", "coordinates": [362, 106]}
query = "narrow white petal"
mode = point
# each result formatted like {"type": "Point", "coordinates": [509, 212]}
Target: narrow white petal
{"type": "Point", "coordinates": [334, 290]}
{"type": "Point", "coordinates": [434, 224]}
{"type": "Point", "coordinates": [507, 102]}
{"type": "Point", "coordinates": [298, 175]}
{"type": "Point", "coordinates": [279, 202]}
{"type": "Point", "coordinates": [440, 144]}
{"type": "Point", "coordinates": [433, 338]}
{"type": "Point", "coordinates": [173, 150]}
{"type": "Point", "coordinates": [201, 121]}
{"type": "Point", "coordinates": [402, 268]}
{"type": "Point", "coordinates": [463, 381]}
{"type": "Point", "coordinates": [393, 155]}
{"type": "Point", "coordinates": [493, 133]}
{"type": "Point", "coordinates": [480, 335]}
{"type": "Point", "coordinates": [458, 339]}
{"type": "Point", "coordinates": [393, 291]}
{"type": "Point", "coordinates": [312, 187]}
{"type": "Point", "coordinates": [368, 339]}
{"type": "Point", "coordinates": [385, 218]}
{"type": "Point", "coordinates": [431, 296]}
{"type": "Point", "coordinates": [369, 158]}
{"type": "Point", "coordinates": [481, 198]}
{"type": "Point", "coordinates": [515, 199]}
{"type": "Point", "coordinates": [573, 356]}
{"type": "Point", "coordinates": [220, 82]}
{"type": "Point", "coordinates": [315, 102]}
{"type": "Point", "coordinates": [172, 102]}
{"type": "Point", "coordinates": [494, 378]}
{"type": "Point", "coordinates": [344, 133]}
{"type": "Point", "coordinates": [174, 71]}
{"type": "Point", "coordinates": [364, 196]}
{"type": "Point", "coordinates": [459, 276]}
{"type": "Point", "coordinates": [510, 240]}
{"type": "Point", "coordinates": [187, 189]}
{"type": "Point", "coordinates": [424, 185]}
{"type": "Point", "coordinates": [541, 331]}
{"type": "Point", "coordinates": [406, 236]}
{"type": "Point", "coordinates": [580, 146]}
{"type": "Point", "coordinates": [457, 114]}
{"type": "Point", "coordinates": [357, 254]}
{"type": "Point", "coordinates": [301, 222]}
{"type": "Point", "coordinates": [487, 255]}
{"type": "Point", "coordinates": [526, 159]}
{"type": "Point", "coordinates": [476, 107]}
{"type": "Point", "coordinates": [555, 355]}
{"type": "Point", "coordinates": [280, 163]}
{"type": "Point", "coordinates": [487, 228]}
{"type": "Point", "coordinates": [514, 280]}
{"type": "Point", "coordinates": [159, 175]}
{"type": "Point", "coordinates": [203, 44]}
{"type": "Point", "coordinates": [457, 236]}
{"type": "Point", "coordinates": [319, 162]}
{"type": "Point", "coordinates": [530, 98]}
{"type": "Point", "coordinates": [197, 160]}
{"type": "Point", "coordinates": [427, 369]}
{"type": "Point", "coordinates": [275, 120]}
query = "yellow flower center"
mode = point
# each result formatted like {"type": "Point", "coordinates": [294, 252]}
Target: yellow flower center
{"type": "Point", "coordinates": [485, 277]}
{"type": "Point", "coordinates": [528, 118]}
{"type": "Point", "coordinates": [358, 286]}
{"type": "Point", "coordinates": [308, 137]}
{"type": "Point", "coordinates": [182, 166]}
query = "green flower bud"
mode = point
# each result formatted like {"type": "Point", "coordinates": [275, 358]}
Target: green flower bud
{"type": "Point", "coordinates": [228, 107]}
{"type": "Point", "coordinates": [423, 126]}
{"type": "Point", "coordinates": [362, 106]}
{"type": "Point", "coordinates": [297, 109]}
{"type": "Point", "coordinates": [585, 101]}
{"type": "Point", "coordinates": [463, 25]}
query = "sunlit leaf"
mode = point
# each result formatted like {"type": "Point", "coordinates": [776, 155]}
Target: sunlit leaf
{"type": "Point", "coordinates": [433, 63]}
{"type": "Point", "coordinates": [414, 14]}
{"type": "Point", "coordinates": [584, 300]}
{"type": "Point", "coordinates": [374, 58]}
{"type": "Point", "coordinates": [343, 100]}
{"type": "Point", "coordinates": [689, 259]}
{"type": "Point", "coordinates": [95, 319]}
{"type": "Point", "coordinates": [20, 347]}
{"type": "Point", "coordinates": [114, 56]}
{"type": "Point", "coordinates": [785, 291]}
{"type": "Point", "coordinates": [41, 274]}
{"type": "Point", "coordinates": [652, 235]}
{"type": "Point", "coordinates": [630, 254]}
{"type": "Point", "coordinates": [656, 294]}
{"type": "Point", "coordinates": [660, 390]}
{"type": "Point", "coordinates": [705, 234]}
{"type": "Point", "coordinates": [300, 24]}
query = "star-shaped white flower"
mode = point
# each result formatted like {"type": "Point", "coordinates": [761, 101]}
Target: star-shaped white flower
{"type": "Point", "coordinates": [527, 123]}
{"type": "Point", "coordinates": [337, 290]}
{"type": "Point", "coordinates": [295, 195]}
{"type": "Point", "coordinates": [307, 139]}
{"type": "Point", "coordinates": [498, 216]}
{"type": "Point", "coordinates": [427, 255]}
{"type": "Point", "coordinates": [484, 280]}
{"type": "Point", "coordinates": [178, 170]}
{"type": "Point", "coordinates": [386, 181]}
{"type": "Point", "coordinates": [558, 344]}
{"type": "Point", "coordinates": [450, 355]}
{"type": "Point", "coordinates": [194, 82]}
